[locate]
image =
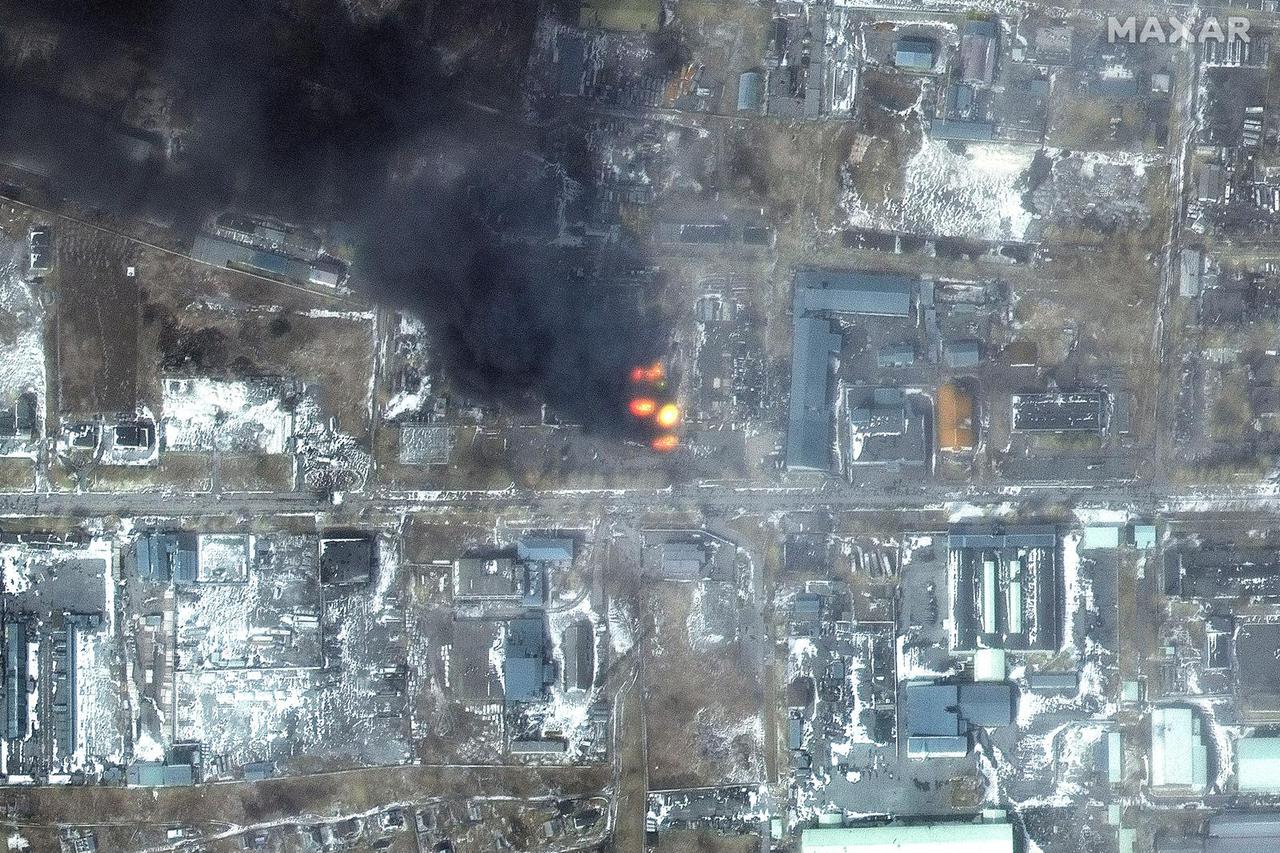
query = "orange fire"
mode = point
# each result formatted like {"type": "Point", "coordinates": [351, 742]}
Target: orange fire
{"type": "Point", "coordinates": [652, 374]}
{"type": "Point", "coordinates": [642, 407]}
{"type": "Point", "coordinates": [665, 443]}
{"type": "Point", "coordinates": [668, 416]}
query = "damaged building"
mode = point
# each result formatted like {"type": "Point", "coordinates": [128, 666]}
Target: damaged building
{"type": "Point", "coordinates": [1006, 588]}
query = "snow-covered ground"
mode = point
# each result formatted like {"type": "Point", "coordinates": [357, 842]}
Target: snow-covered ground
{"type": "Point", "coordinates": [976, 194]}
{"type": "Point", "coordinates": [236, 415]}
{"type": "Point", "coordinates": [22, 365]}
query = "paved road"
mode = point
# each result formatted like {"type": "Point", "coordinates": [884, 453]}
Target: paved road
{"type": "Point", "coordinates": [718, 499]}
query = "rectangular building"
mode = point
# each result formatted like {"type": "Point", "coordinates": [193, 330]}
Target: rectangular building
{"type": "Point", "coordinates": [1179, 757]}
{"type": "Point", "coordinates": [1005, 588]}
{"type": "Point", "coordinates": [919, 838]}
{"type": "Point", "coordinates": [819, 294]}
{"type": "Point", "coordinates": [1258, 765]}
{"type": "Point", "coordinates": [1055, 412]}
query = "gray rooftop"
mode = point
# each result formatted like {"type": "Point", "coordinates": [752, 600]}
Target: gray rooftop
{"type": "Point", "coordinates": [810, 414]}
{"type": "Point", "coordinates": [545, 548]}
{"type": "Point", "coordinates": [853, 292]}
{"type": "Point", "coordinates": [813, 345]}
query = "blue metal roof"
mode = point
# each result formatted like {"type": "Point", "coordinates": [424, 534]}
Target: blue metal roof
{"type": "Point", "coordinates": [809, 422]}
{"type": "Point", "coordinates": [914, 53]}
{"type": "Point", "coordinates": [961, 131]}
{"type": "Point", "coordinates": [853, 292]}
{"type": "Point", "coordinates": [545, 548]}
{"type": "Point", "coordinates": [749, 87]}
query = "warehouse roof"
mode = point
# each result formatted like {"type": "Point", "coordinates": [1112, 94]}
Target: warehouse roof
{"type": "Point", "coordinates": [548, 549]}
{"type": "Point", "coordinates": [853, 292]}
{"type": "Point", "coordinates": [809, 425]}
{"type": "Point", "coordinates": [1258, 764]}
{"type": "Point", "coordinates": [1179, 758]}
{"type": "Point", "coordinates": [942, 837]}
{"type": "Point", "coordinates": [955, 418]}
{"type": "Point", "coordinates": [914, 53]}
{"type": "Point", "coordinates": [1053, 412]}
{"type": "Point", "coordinates": [750, 85]}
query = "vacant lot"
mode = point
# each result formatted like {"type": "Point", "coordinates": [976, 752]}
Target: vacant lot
{"type": "Point", "coordinates": [97, 321]}
{"type": "Point", "coordinates": [703, 720]}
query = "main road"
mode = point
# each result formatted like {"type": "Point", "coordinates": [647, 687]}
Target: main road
{"type": "Point", "coordinates": [714, 498]}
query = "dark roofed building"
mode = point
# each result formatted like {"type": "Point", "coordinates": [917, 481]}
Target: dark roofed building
{"type": "Point", "coordinates": [1081, 411]}
{"type": "Point", "coordinates": [931, 710]}
{"type": "Point", "coordinates": [525, 669]}
{"type": "Point", "coordinates": [853, 292]}
{"type": "Point", "coordinates": [896, 355]}
{"type": "Point", "coordinates": [346, 559]}
{"type": "Point", "coordinates": [16, 709]}
{"type": "Point", "coordinates": [237, 256]}
{"type": "Point", "coordinates": [814, 346]}
{"type": "Point", "coordinates": [885, 428]}
{"type": "Point", "coordinates": [986, 705]}
{"type": "Point", "coordinates": [978, 47]}
{"type": "Point", "coordinates": [810, 413]}
{"type": "Point", "coordinates": [962, 353]}
{"type": "Point", "coordinates": [485, 578]}
{"type": "Point", "coordinates": [682, 561]}
{"type": "Point", "coordinates": [1228, 832]}
{"type": "Point", "coordinates": [164, 556]}
{"type": "Point", "coordinates": [578, 647]}
{"type": "Point", "coordinates": [571, 64]}
{"type": "Point", "coordinates": [1228, 572]}
{"type": "Point", "coordinates": [1007, 586]}
{"type": "Point", "coordinates": [547, 549]}
{"type": "Point", "coordinates": [914, 54]}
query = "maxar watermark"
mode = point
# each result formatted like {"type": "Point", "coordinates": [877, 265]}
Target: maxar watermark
{"type": "Point", "coordinates": [1173, 31]}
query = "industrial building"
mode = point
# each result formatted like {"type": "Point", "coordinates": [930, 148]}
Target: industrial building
{"type": "Point", "coordinates": [1054, 412]}
{"type": "Point", "coordinates": [160, 557]}
{"type": "Point", "coordinates": [217, 252]}
{"type": "Point", "coordinates": [1006, 588]}
{"type": "Point", "coordinates": [545, 549]}
{"type": "Point", "coordinates": [750, 91]}
{"type": "Point", "coordinates": [1179, 755]}
{"type": "Point", "coordinates": [630, 16]}
{"type": "Point", "coordinates": [914, 54]}
{"type": "Point", "coordinates": [939, 717]}
{"type": "Point", "coordinates": [1257, 671]}
{"type": "Point", "coordinates": [886, 427]}
{"type": "Point", "coordinates": [498, 581]}
{"type": "Point", "coordinates": [818, 296]}
{"type": "Point", "coordinates": [526, 670]}
{"type": "Point", "coordinates": [1232, 832]}
{"type": "Point", "coordinates": [978, 47]}
{"type": "Point", "coordinates": [963, 353]}
{"type": "Point", "coordinates": [949, 837]}
{"type": "Point", "coordinates": [347, 558]}
{"type": "Point", "coordinates": [1258, 765]}
{"type": "Point", "coordinates": [954, 416]}
{"type": "Point", "coordinates": [1224, 572]}
{"type": "Point", "coordinates": [16, 680]}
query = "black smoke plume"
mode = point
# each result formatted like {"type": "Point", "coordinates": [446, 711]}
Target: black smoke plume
{"type": "Point", "coordinates": [406, 127]}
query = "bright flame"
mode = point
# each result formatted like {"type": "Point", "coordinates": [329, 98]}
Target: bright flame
{"type": "Point", "coordinates": [653, 374]}
{"type": "Point", "coordinates": [665, 443]}
{"type": "Point", "coordinates": [642, 407]}
{"type": "Point", "coordinates": [668, 416]}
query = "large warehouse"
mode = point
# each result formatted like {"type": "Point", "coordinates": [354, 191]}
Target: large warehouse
{"type": "Point", "coordinates": [924, 838]}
